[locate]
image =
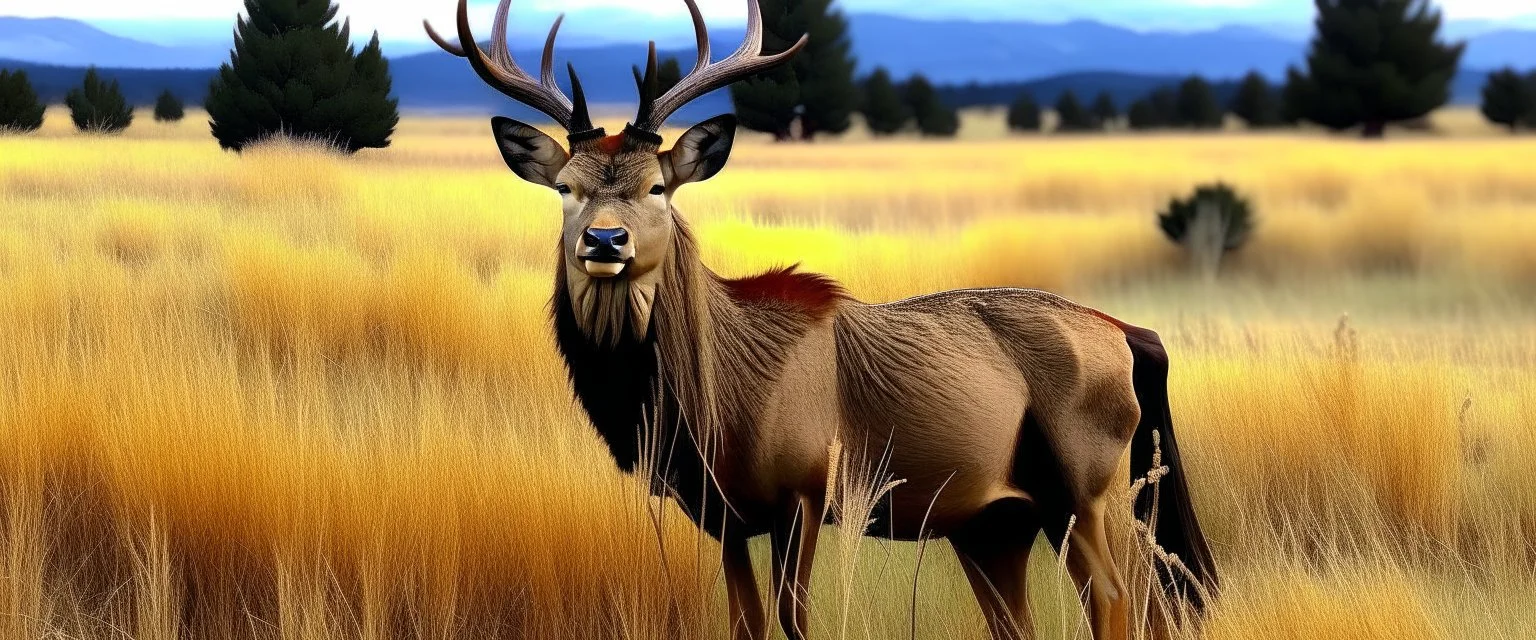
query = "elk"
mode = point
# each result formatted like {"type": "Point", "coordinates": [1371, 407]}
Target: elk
{"type": "Point", "coordinates": [1004, 412]}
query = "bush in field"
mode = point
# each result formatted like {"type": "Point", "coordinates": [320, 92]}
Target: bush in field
{"type": "Point", "coordinates": [1070, 114]}
{"type": "Point", "coordinates": [884, 110]}
{"type": "Point", "coordinates": [934, 118]}
{"type": "Point", "coordinates": [294, 72]}
{"type": "Point", "coordinates": [1255, 102]}
{"type": "Point", "coordinates": [1208, 224]}
{"type": "Point", "coordinates": [19, 108]}
{"type": "Point", "coordinates": [1509, 99]}
{"type": "Point", "coordinates": [169, 108]}
{"type": "Point", "coordinates": [98, 106]}
{"type": "Point", "coordinates": [1024, 114]}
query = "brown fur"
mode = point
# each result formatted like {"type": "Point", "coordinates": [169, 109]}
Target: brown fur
{"type": "Point", "coordinates": [766, 372]}
{"type": "Point", "coordinates": [1002, 412]}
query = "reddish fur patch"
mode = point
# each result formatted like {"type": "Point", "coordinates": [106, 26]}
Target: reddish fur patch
{"type": "Point", "coordinates": [611, 145]}
{"type": "Point", "coordinates": [811, 293]}
{"type": "Point", "coordinates": [1110, 319]}
{"type": "Point", "coordinates": [1134, 334]}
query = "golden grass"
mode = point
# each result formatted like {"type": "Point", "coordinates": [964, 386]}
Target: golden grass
{"type": "Point", "coordinates": [294, 395]}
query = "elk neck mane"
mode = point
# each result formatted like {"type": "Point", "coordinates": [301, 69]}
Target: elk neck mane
{"type": "Point", "coordinates": [702, 368]}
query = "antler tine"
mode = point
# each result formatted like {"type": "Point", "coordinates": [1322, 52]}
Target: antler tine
{"type": "Point", "coordinates": [499, 51]}
{"type": "Point", "coordinates": [442, 42]}
{"type": "Point", "coordinates": [701, 33]}
{"type": "Point", "coordinates": [650, 87]}
{"type": "Point", "coordinates": [547, 65]}
{"type": "Point", "coordinates": [707, 77]}
{"type": "Point", "coordinates": [501, 72]}
{"type": "Point", "coordinates": [752, 41]}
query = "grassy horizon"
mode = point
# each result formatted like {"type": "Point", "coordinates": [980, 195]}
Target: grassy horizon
{"type": "Point", "coordinates": [301, 396]}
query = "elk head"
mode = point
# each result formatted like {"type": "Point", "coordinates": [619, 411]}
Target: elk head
{"type": "Point", "coordinates": [616, 190]}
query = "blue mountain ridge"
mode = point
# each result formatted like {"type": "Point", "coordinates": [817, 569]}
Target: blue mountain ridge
{"type": "Point", "coordinates": [1085, 56]}
{"type": "Point", "coordinates": [949, 51]}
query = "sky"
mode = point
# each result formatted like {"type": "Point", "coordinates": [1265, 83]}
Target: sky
{"type": "Point", "coordinates": [180, 21]}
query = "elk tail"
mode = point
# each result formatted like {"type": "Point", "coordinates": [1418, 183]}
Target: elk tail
{"type": "Point", "coordinates": [1175, 527]}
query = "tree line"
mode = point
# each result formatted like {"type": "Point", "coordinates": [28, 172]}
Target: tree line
{"type": "Point", "coordinates": [294, 72]}
{"type": "Point", "coordinates": [1370, 63]}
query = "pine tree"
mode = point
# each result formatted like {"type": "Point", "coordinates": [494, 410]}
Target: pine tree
{"type": "Point", "coordinates": [168, 108]}
{"type": "Point", "coordinates": [1105, 112]}
{"type": "Point", "coordinates": [98, 106]}
{"type": "Point", "coordinates": [1374, 62]}
{"type": "Point", "coordinates": [1294, 97]}
{"type": "Point", "coordinates": [768, 102]}
{"type": "Point", "coordinates": [1165, 106]}
{"type": "Point", "coordinates": [885, 112]}
{"type": "Point", "coordinates": [19, 109]}
{"type": "Point", "coordinates": [934, 118]}
{"type": "Point", "coordinates": [1509, 99]}
{"type": "Point", "coordinates": [294, 72]}
{"type": "Point", "coordinates": [1142, 116]}
{"type": "Point", "coordinates": [817, 87]}
{"type": "Point", "coordinates": [1255, 102]}
{"type": "Point", "coordinates": [1024, 114]}
{"type": "Point", "coordinates": [1530, 116]}
{"type": "Point", "coordinates": [668, 74]}
{"type": "Point", "coordinates": [1197, 107]}
{"type": "Point", "coordinates": [1070, 114]}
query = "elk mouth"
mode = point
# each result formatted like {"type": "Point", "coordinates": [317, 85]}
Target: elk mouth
{"type": "Point", "coordinates": [604, 266]}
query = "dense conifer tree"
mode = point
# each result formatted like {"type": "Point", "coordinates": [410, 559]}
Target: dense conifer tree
{"type": "Point", "coordinates": [294, 72]}
{"type": "Point", "coordinates": [98, 106]}
{"type": "Point", "coordinates": [19, 108]}
{"type": "Point", "coordinates": [1374, 62]}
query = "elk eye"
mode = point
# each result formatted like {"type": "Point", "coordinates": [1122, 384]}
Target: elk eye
{"type": "Point", "coordinates": [563, 188]}
{"type": "Point", "coordinates": [658, 189]}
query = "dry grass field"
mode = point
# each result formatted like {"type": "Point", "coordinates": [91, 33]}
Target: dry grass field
{"type": "Point", "coordinates": [300, 396]}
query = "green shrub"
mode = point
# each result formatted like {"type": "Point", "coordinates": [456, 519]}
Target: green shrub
{"type": "Point", "coordinates": [168, 108]}
{"type": "Point", "coordinates": [19, 108]}
{"type": "Point", "coordinates": [98, 106]}
{"type": "Point", "coordinates": [1210, 223]}
{"type": "Point", "coordinates": [295, 73]}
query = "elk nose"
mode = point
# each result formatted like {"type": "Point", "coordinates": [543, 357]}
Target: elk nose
{"type": "Point", "coordinates": [605, 239]}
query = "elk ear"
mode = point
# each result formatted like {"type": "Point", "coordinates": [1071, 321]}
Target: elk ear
{"type": "Point", "coordinates": [701, 152]}
{"type": "Point", "coordinates": [531, 154]}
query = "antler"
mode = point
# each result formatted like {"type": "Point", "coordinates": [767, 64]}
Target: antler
{"type": "Point", "coordinates": [501, 72]}
{"type": "Point", "coordinates": [706, 76]}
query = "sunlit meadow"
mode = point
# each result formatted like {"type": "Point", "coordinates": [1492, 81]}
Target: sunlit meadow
{"type": "Point", "coordinates": [302, 396]}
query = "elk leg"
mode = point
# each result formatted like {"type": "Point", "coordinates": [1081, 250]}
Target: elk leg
{"type": "Point", "coordinates": [748, 621]}
{"type": "Point", "coordinates": [1098, 579]}
{"type": "Point", "coordinates": [994, 551]}
{"type": "Point", "coordinates": [794, 552]}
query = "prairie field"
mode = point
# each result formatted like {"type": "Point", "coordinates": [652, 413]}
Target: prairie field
{"type": "Point", "coordinates": [295, 395]}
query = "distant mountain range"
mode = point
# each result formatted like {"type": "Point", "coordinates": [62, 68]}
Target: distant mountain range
{"type": "Point", "coordinates": [72, 43]}
{"type": "Point", "coordinates": [1006, 56]}
{"type": "Point", "coordinates": [950, 51]}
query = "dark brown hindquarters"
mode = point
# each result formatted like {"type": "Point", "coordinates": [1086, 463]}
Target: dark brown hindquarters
{"type": "Point", "coordinates": [1177, 530]}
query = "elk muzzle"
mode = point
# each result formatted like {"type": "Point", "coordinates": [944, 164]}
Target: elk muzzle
{"type": "Point", "coordinates": [604, 253]}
